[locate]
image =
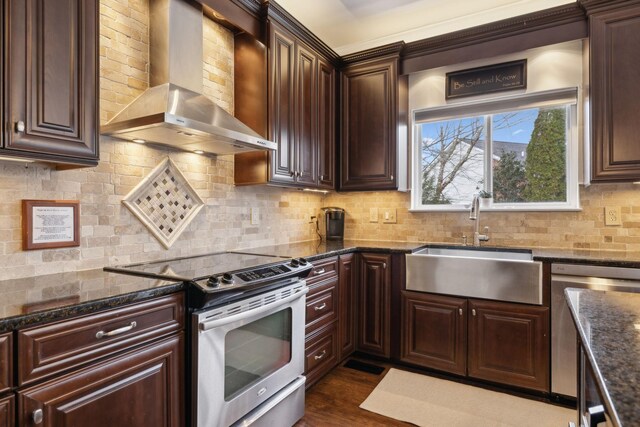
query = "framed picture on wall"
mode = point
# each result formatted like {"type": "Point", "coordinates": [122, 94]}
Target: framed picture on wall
{"type": "Point", "coordinates": [48, 224]}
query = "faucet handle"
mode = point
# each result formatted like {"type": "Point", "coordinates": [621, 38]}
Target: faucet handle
{"type": "Point", "coordinates": [486, 229]}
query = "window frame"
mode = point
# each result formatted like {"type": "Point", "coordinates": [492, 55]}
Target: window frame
{"type": "Point", "coordinates": [567, 96]}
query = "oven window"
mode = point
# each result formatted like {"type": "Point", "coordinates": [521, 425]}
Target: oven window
{"type": "Point", "coordinates": [256, 350]}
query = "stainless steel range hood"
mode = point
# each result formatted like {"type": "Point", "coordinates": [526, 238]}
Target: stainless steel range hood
{"type": "Point", "coordinates": [173, 112]}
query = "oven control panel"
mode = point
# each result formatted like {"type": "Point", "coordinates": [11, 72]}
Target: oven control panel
{"type": "Point", "coordinates": [205, 291]}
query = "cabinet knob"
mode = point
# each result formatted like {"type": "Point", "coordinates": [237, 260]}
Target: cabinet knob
{"type": "Point", "coordinates": [384, 265]}
{"type": "Point", "coordinates": [473, 311]}
{"type": "Point", "coordinates": [37, 416]}
{"type": "Point", "coordinates": [391, 177]}
{"type": "Point", "coordinates": [460, 311]}
{"type": "Point", "coordinates": [292, 173]}
{"type": "Point", "coordinates": [20, 126]}
{"type": "Point", "coordinates": [322, 177]}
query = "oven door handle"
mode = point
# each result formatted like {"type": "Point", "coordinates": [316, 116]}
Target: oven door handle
{"type": "Point", "coordinates": [207, 325]}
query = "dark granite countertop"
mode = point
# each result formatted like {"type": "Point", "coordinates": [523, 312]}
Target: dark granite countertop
{"type": "Point", "coordinates": [39, 299]}
{"type": "Point", "coordinates": [34, 300]}
{"type": "Point", "coordinates": [609, 327]}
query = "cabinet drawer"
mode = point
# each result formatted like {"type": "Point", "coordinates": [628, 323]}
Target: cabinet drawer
{"type": "Point", "coordinates": [322, 306]}
{"type": "Point", "coordinates": [323, 269]}
{"type": "Point", "coordinates": [7, 411]}
{"type": "Point", "coordinates": [321, 353]}
{"type": "Point", "coordinates": [6, 359]}
{"type": "Point", "coordinates": [53, 348]}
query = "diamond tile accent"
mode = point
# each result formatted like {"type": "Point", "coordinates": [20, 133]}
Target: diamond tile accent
{"type": "Point", "coordinates": [165, 202]}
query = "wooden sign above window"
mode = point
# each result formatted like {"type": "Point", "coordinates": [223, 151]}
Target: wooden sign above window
{"type": "Point", "coordinates": [489, 79]}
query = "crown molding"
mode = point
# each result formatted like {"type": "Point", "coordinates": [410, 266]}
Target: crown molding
{"type": "Point", "coordinates": [273, 11]}
{"type": "Point", "coordinates": [552, 17]}
{"type": "Point", "coordinates": [391, 49]}
{"type": "Point", "coordinates": [594, 6]}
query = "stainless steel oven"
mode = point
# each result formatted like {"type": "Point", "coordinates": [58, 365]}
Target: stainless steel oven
{"type": "Point", "coordinates": [247, 335]}
{"type": "Point", "coordinates": [249, 359]}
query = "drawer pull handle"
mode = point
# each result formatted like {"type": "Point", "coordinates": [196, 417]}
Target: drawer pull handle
{"type": "Point", "coordinates": [321, 355]}
{"type": "Point", "coordinates": [102, 334]}
{"type": "Point", "coordinates": [318, 272]}
{"type": "Point", "coordinates": [320, 307]}
{"type": "Point", "coordinates": [37, 416]}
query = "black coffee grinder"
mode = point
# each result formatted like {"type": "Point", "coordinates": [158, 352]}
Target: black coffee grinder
{"type": "Point", "coordinates": [334, 221]}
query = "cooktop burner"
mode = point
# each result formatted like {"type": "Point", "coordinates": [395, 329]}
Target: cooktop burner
{"type": "Point", "coordinates": [220, 277]}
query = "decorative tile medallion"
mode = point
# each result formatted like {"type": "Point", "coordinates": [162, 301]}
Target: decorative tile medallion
{"type": "Point", "coordinates": [165, 202]}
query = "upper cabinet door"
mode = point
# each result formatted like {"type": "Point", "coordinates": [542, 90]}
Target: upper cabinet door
{"type": "Point", "coordinates": [306, 140]}
{"type": "Point", "coordinates": [326, 124]}
{"type": "Point", "coordinates": [281, 105]}
{"type": "Point", "coordinates": [369, 120]}
{"type": "Point", "coordinates": [615, 94]}
{"type": "Point", "coordinates": [52, 79]}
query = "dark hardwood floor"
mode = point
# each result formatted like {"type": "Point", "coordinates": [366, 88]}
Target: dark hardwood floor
{"type": "Point", "coordinates": [335, 400]}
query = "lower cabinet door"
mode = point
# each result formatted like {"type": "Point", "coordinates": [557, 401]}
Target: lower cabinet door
{"type": "Point", "coordinates": [138, 389]}
{"type": "Point", "coordinates": [7, 411]}
{"type": "Point", "coordinates": [509, 344]}
{"type": "Point", "coordinates": [434, 332]}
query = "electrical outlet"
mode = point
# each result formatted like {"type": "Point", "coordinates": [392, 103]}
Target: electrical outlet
{"type": "Point", "coordinates": [389, 216]}
{"type": "Point", "coordinates": [612, 216]}
{"type": "Point", "coordinates": [255, 216]}
{"type": "Point", "coordinates": [373, 214]}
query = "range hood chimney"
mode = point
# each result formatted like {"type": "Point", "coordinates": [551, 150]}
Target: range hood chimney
{"type": "Point", "coordinates": [173, 112]}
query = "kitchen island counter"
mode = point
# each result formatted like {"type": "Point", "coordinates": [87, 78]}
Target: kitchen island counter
{"type": "Point", "coordinates": [608, 324]}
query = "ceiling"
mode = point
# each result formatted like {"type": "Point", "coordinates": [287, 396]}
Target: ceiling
{"type": "Point", "coordinates": [349, 26]}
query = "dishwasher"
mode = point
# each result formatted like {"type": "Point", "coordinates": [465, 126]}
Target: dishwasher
{"type": "Point", "coordinates": [563, 331]}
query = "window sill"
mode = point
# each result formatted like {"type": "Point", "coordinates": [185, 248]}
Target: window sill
{"type": "Point", "coordinates": [495, 209]}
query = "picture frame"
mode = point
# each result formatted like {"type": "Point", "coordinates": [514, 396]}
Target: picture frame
{"type": "Point", "coordinates": [49, 224]}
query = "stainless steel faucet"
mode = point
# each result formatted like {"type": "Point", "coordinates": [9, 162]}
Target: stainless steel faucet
{"type": "Point", "coordinates": [474, 215]}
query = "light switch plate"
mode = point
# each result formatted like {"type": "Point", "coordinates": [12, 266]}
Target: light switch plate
{"type": "Point", "coordinates": [255, 216]}
{"type": "Point", "coordinates": [389, 216]}
{"type": "Point", "coordinates": [373, 214]}
{"type": "Point", "coordinates": [612, 216]}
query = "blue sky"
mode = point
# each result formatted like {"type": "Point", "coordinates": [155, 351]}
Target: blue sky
{"type": "Point", "coordinates": [518, 130]}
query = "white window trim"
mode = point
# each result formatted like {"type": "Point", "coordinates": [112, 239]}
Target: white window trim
{"type": "Point", "coordinates": [568, 96]}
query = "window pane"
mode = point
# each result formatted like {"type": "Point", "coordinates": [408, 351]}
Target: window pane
{"type": "Point", "coordinates": [452, 160]}
{"type": "Point", "coordinates": [529, 156]}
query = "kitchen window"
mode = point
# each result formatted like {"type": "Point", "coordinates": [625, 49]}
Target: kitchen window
{"type": "Point", "coordinates": [520, 151]}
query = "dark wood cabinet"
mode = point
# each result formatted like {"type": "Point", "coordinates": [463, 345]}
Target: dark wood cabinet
{"type": "Point", "coordinates": [52, 348]}
{"type": "Point", "coordinates": [301, 110]}
{"type": "Point", "coordinates": [326, 124]}
{"type": "Point", "coordinates": [6, 362]}
{"type": "Point", "coordinates": [347, 306]}
{"type": "Point", "coordinates": [51, 80]}
{"type": "Point", "coordinates": [282, 102]}
{"type": "Point", "coordinates": [434, 332]}
{"type": "Point", "coordinates": [149, 380]}
{"type": "Point", "coordinates": [374, 298]}
{"type": "Point", "coordinates": [615, 94]}
{"type": "Point", "coordinates": [321, 353]}
{"type": "Point", "coordinates": [322, 320]}
{"type": "Point", "coordinates": [371, 107]}
{"type": "Point", "coordinates": [509, 344]}
{"type": "Point", "coordinates": [495, 341]}
{"type": "Point", "coordinates": [7, 411]}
